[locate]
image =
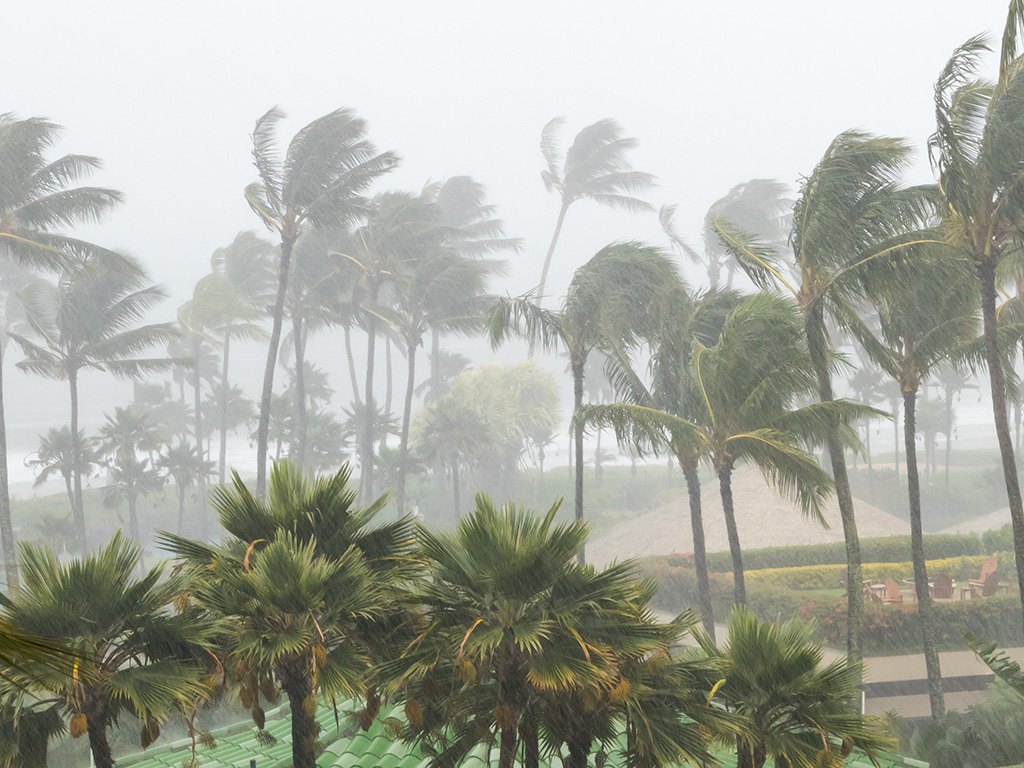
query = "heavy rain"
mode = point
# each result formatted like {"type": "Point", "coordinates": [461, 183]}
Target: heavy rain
{"type": "Point", "coordinates": [462, 384]}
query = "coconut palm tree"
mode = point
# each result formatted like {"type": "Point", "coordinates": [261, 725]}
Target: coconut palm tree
{"type": "Point", "coordinates": [925, 323]}
{"type": "Point", "coordinates": [851, 218]}
{"type": "Point", "coordinates": [682, 321]}
{"type": "Point", "coordinates": [183, 464]}
{"type": "Point", "coordinates": [796, 712]}
{"type": "Point", "coordinates": [37, 202]}
{"type": "Point", "coordinates": [453, 435]}
{"type": "Point", "coordinates": [306, 587]}
{"type": "Point", "coordinates": [90, 320]}
{"type": "Point", "coordinates": [595, 167]}
{"type": "Point", "coordinates": [55, 456]}
{"type": "Point", "coordinates": [979, 134]}
{"type": "Point", "coordinates": [134, 656]}
{"type": "Point", "coordinates": [328, 165]}
{"type": "Point", "coordinates": [608, 304]}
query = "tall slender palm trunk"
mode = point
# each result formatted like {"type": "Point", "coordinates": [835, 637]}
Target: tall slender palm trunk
{"type": "Point", "coordinates": [366, 452]}
{"type": "Point", "coordinates": [78, 508]}
{"type": "Point", "coordinates": [263, 430]}
{"type": "Point", "coordinates": [700, 553]}
{"type": "Point", "coordinates": [10, 547]}
{"type": "Point", "coordinates": [815, 328]}
{"type": "Point", "coordinates": [739, 587]}
{"type": "Point", "coordinates": [304, 725]}
{"type": "Point", "coordinates": [222, 459]}
{"type": "Point", "coordinates": [95, 713]}
{"type": "Point", "coordinates": [577, 403]}
{"type": "Point", "coordinates": [201, 477]}
{"type": "Point", "coordinates": [403, 449]}
{"type": "Point", "coordinates": [300, 385]}
{"type": "Point", "coordinates": [997, 382]}
{"type": "Point", "coordinates": [353, 380]}
{"type": "Point", "coordinates": [551, 252]}
{"type": "Point", "coordinates": [925, 610]}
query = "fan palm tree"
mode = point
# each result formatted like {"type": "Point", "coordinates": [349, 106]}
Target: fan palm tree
{"type": "Point", "coordinates": [89, 320]}
{"type": "Point", "coordinates": [37, 202]}
{"type": "Point", "coordinates": [928, 322]}
{"type": "Point", "coordinates": [595, 167]}
{"type": "Point", "coordinates": [306, 587]}
{"type": "Point", "coordinates": [682, 321]}
{"type": "Point", "coordinates": [608, 304]}
{"type": "Point", "coordinates": [796, 712]}
{"type": "Point", "coordinates": [851, 219]}
{"type": "Point", "coordinates": [134, 657]}
{"type": "Point", "coordinates": [979, 134]}
{"type": "Point", "coordinates": [328, 165]}
{"type": "Point", "coordinates": [55, 455]}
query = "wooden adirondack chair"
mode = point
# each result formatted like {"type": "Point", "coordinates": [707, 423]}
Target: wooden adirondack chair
{"type": "Point", "coordinates": [989, 567]}
{"type": "Point", "coordinates": [892, 595]}
{"type": "Point", "coordinates": [942, 588]}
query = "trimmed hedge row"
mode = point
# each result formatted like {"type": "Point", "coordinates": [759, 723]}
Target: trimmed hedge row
{"type": "Point", "coordinates": [887, 549]}
{"type": "Point", "coordinates": [829, 576]}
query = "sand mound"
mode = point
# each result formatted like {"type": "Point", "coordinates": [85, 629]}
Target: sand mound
{"type": "Point", "coordinates": [993, 521]}
{"type": "Point", "coordinates": [763, 517]}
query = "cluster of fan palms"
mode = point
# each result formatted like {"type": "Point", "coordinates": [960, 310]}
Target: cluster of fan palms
{"type": "Point", "coordinates": [491, 633]}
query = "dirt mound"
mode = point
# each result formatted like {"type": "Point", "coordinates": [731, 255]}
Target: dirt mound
{"type": "Point", "coordinates": [763, 517]}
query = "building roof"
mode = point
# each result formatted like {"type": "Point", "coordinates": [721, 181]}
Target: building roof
{"type": "Point", "coordinates": [350, 747]}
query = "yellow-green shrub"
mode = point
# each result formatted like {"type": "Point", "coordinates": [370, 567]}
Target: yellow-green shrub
{"type": "Point", "coordinates": [829, 576]}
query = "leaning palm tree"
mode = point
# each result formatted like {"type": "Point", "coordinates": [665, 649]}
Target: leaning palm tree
{"type": "Point", "coordinates": [135, 658]}
{"type": "Point", "coordinates": [595, 167]}
{"type": "Point", "coordinates": [925, 323]}
{"type": "Point", "coordinates": [978, 139]}
{"type": "Point", "coordinates": [328, 165]}
{"type": "Point", "coordinates": [89, 320]}
{"type": "Point", "coordinates": [796, 712]}
{"type": "Point", "coordinates": [55, 457]}
{"type": "Point", "coordinates": [37, 202]}
{"type": "Point", "coordinates": [609, 304]}
{"type": "Point", "coordinates": [306, 590]}
{"type": "Point", "coordinates": [851, 218]}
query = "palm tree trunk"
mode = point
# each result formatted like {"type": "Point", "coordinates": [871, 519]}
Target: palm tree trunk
{"type": "Point", "coordinates": [224, 390]}
{"type": "Point", "coordinates": [180, 489]}
{"type": "Point", "coordinates": [579, 750]}
{"type": "Point", "coordinates": [304, 727]}
{"type": "Point", "coordinates": [403, 449]}
{"type": "Point", "coordinates": [530, 735]}
{"type": "Point", "coordinates": [435, 393]}
{"type": "Point", "coordinates": [96, 727]}
{"type": "Point", "coordinates": [10, 547]}
{"type": "Point", "coordinates": [78, 508]}
{"type": "Point", "coordinates": [739, 588]}
{"type": "Point", "coordinates": [577, 403]}
{"type": "Point", "coordinates": [263, 430]}
{"type": "Point", "coordinates": [700, 555]}
{"type": "Point", "coordinates": [924, 597]}
{"type": "Point", "coordinates": [997, 382]}
{"type": "Point", "coordinates": [366, 459]}
{"type": "Point", "coordinates": [508, 747]}
{"type": "Point", "coordinates": [201, 477]}
{"type": "Point", "coordinates": [388, 378]}
{"type": "Point", "coordinates": [547, 258]}
{"type": "Point", "coordinates": [815, 329]}
{"type": "Point", "coordinates": [598, 469]}
{"type": "Point", "coordinates": [351, 364]}
{"type": "Point", "coordinates": [300, 385]}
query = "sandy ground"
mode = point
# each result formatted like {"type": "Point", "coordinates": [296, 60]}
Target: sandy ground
{"type": "Point", "coordinates": [763, 517]}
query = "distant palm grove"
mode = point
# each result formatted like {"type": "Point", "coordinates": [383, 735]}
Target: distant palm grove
{"type": "Point", "coordinates": [369, 559]}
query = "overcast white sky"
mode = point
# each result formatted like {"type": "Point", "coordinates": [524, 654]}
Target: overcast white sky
{"type": "Point", "coordinates": [166, 94]}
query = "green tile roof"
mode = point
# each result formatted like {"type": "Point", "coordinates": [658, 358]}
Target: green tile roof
{"type": "Point", "coordinates": [349, 747]}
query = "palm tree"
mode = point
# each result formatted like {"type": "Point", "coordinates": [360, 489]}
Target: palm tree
{"type": "Point", "coordinates": [126, 435]}
{"type": "Point", "coordinates": [795, 711]}
{"type": "Point", "coordinates": [925, 323]}
{"type": "Point", "coordinates": [306, 587]}
{"type": "Point", "coordinates": [608, 304]}
{"type": "Point", "coordinates": [851, 219]}
{"type": "Point", "coordinates": [36, 202]}
{"type": "Point", "coordinates": [595, 167]}
{"type": "Point", "coordinates": [56, 456]}
{"type": "Point", "coordinates": [134, 657]}
{"type": "Point", "coordinates": [979, 133]}
{"type": "Point", "coordinates": [451, 434]}
{"type": "Point", "coordinates": [183, 465]}
{"type": "Point", "coordinates": [327, 166]}
{"type": "Point", "coordinates": [89, 320]}
{"type": "Point", "coordinates": [682, 321]}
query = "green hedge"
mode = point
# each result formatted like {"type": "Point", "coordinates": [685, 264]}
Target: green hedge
{"type": "Point", "coordinates": [888, 549]}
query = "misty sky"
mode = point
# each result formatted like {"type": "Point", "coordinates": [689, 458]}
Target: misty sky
{"type": "Point", "coordinates": [166, 94]}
